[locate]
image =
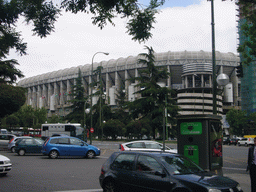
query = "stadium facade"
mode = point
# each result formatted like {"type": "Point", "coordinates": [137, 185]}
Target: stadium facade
{"type": "Point", "coordinates": [191, 77]}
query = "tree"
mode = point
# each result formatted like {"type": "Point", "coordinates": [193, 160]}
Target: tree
{"type": "Point", "coordinates": [78, 101]}
{"type": "Point", "coordinates": [120, 112]}
{"type": "Point", "coordinates": [237, 120]}
{"type": "Point", "coordinates": [153, 97]}
{"type": "Point", "coordinates": [11, 99]}
{"type": "Point", "coordinates": [113, 128]}
{"type": "Point", "coordinates": [12, 121]}
{"type": "Point", "coordinates": [139, 128]}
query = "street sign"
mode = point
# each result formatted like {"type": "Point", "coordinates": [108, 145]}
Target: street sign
{"type": "Point", "coordinates": [91, 130]}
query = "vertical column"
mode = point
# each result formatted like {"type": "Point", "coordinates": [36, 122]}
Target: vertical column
{"type": "Point", "coordinates": [84, 86]}
{"type": "Point", "coordinates": [127, 82]}
{"type": "Point", "coordinates": [193, 81]}
{"type": "Point", "coordinates": [45, 95]}
{"type": "Point", "coordinates": [234, 80]}
{"type": "Point", "coordinates": [210, 80]}
{"type": "Point", "coordinates": [50, 93]}
{"type": "Point", "coordinates": [136, 82]}
{"type": "Point", "coordinates": [202, 80]}
{"type": "Point", "coordinates": [29, 96]}
{"type": "Point", "coordinates": [169, 80]}
{"type": "Point", "coordinates": [61, 93]}
{"type": "Point", "coordinates": [117, 83]}
{"type": "Point", "coordinates": [34, 97]}
{"type": "Point", "coordinates": [108, 85]}
{"type": "Point", "coordinates": [68, 90]}
{"type": "Point", "coordinates": [39, 96]}
{"type": "Point", "coordinates": [186, 81]}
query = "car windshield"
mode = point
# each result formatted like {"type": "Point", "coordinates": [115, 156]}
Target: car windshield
{"type": "Point", "coordinates": [181, 165]}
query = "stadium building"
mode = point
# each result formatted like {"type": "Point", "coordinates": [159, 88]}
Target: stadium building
{"type": "Point", "coordinates": [191, 77]}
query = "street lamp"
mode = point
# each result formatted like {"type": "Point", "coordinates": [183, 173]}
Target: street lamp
{"type": "Point", "coordinates": [87, 111]}
{"type": "Point", "coordinates": [214, 87]}
{"type": "Point", "coordinates": [92, 82]}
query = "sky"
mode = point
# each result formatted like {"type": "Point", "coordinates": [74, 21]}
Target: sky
{"type": "Point", "coordinates": [180, 25]}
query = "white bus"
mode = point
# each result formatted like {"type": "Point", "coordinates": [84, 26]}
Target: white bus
{"type": "Point", "coordinates": [70, 129]}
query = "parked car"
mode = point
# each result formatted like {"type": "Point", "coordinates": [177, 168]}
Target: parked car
{"type": "Point", "coordinates": [68, 146]}
{"type": "Point", "coordinates": [5, 138]}
{"type": "Point", "coordinates": [246, 142]}
{"type": "Point", "coordinates": [233, 142]}
{"type": "Point", "coordinates": [59, 135]}
{"type": "Point", "coordinates": [145, 146]}
{"type": "Point", "coordinates": [28, 145]}
{"type": "Point", "coordinates": [13, 140]}
{"type": "Point", "coordinates": [158, 171]}
{"type": "Point", "coordinates": [5, 165]}
{"type": "Point", "coordinates": [226, 141]}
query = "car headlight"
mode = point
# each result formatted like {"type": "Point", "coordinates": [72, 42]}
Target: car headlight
{"type": "Point", "coordinates": [7, 162]}
{"type": "Point", "coordinates": [214, 190]}
{"type": "Point", "coordinates": [239, 188]}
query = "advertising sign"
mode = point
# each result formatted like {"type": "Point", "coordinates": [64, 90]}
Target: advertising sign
{"type": "Point", "coordinates": [215, 145]}
{"type": "Point", "coordinates": [191, 128]}
{"type": "Point", "coordinates": [191, 152]}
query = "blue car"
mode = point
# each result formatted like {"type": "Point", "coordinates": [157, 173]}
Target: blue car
{"type": "Point", "coordinates": [68, 146]}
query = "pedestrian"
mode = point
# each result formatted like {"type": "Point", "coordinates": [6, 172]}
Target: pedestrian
{"type": "Point", "coordinates": [251, 165]}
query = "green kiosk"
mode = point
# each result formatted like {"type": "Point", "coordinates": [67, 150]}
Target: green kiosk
{"type": "Point", "coordinates": [200, 139]}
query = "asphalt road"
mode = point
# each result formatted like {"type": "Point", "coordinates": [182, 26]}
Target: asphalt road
{"type": "Point", "coordinates": [39, 173]}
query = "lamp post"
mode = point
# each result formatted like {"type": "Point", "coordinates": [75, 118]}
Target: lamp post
{"type": "Point", "coordinates": [92, 87]}
{"type": "Point", "coordinates": [214, 86]}
{"type": "Point", "coordinates": [87, 111]}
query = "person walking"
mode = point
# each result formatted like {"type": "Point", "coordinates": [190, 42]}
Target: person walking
{"type": "Point", "coordinates": [251, 165]}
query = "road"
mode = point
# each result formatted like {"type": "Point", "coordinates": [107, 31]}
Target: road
{"type": "Point", "coordinates": [39, 173]}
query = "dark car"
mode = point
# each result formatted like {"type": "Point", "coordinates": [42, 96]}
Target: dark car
{"type": "Point", "coordinates": [226, 141]}
{"type": "Point", "coordinates": [233, 141]}
{"type": "Point", "coordinates": [68, 146]}
{"type": "Point", "coordinates": [158, 171]}
{"type": "Point", "coordinates": [28, 145]}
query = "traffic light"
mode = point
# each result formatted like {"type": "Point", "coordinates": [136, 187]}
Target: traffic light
{"type": "Point", "coordinates": [239, 71]}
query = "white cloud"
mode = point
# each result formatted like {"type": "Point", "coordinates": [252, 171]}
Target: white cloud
{"type": "Point", "coordinates": [76, 39]}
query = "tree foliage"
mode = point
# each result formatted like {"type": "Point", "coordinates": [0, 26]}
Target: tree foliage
{"type": "Point", "coordinates": [30, 117]}
{"type": "Point", "coordinates": [11, 99]}
{"type": "Point", "coordinates": [78, 101]}
{"type": "Point", "coordinates": [113, 128]}
{"type": "Point", "coordinates": [154, 98]}
{"type": "Point", "coordinates": [12, 121]}
{"type": "Point", "coordinates": [237, 120]}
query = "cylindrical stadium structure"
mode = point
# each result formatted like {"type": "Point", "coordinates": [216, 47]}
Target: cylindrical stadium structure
{"type": "Point", "coordinates": [191, 76]}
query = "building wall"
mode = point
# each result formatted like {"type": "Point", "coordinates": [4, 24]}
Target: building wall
{"type": "Point", "coordinates": [191, 76]}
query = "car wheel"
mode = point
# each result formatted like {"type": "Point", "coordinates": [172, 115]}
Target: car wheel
{"type": "Point", "coordinates": [3, 174]}
{"type": "Point", "coordinates": [90, 154]}
{"type": "Point", "coordinates": [21, 152]}
{"type": "Point", "coordinates": [109, 186]}
{"type": "Point", "coordinates": [13, 150]}
{"type": "Point", "coordinates": [53, 154]}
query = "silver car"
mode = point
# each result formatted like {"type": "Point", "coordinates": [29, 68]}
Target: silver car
{"type": "Point", "coordinates": [11, 144]}
{"type": "Point", "coordinates": [144, 145]}
{"type": "Point", "coordinates": [5, 165]}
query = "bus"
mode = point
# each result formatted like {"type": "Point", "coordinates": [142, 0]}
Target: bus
{"type": "Point", "coordinates": [70, 129]}
{"type": "Point", "coordinates": [32, 132]}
